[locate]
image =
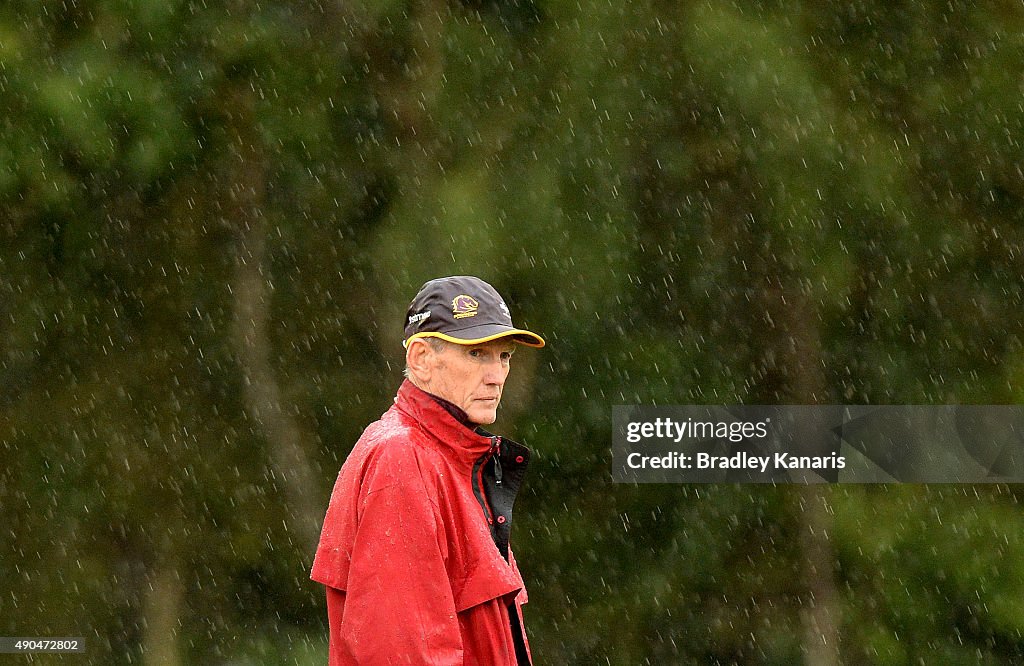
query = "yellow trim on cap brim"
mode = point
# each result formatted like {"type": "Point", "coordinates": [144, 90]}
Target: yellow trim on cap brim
{"type": "Point", "coordinates": [477, 341]}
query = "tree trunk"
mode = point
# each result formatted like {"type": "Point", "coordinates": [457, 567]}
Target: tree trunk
{"type": "Point", "coordinates": [800, 380]}
{"type": "Point", "coordinates": [820, 610]}
{"type": "Point", "coordinates": [162, 608]}
{"type": "Point", "coordinates": [264, 400]}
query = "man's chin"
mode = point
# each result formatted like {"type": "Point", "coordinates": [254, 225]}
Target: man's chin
{"type": "Point", "coordinates": [483, 417]}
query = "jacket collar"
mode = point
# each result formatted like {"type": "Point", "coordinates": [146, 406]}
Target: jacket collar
{"type": "Point", "coordinates": [457, 412]}
{"type": "Point", "coordinates": [467, 444]}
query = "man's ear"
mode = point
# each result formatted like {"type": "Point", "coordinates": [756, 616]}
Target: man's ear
{"type": "Point", "coordinates": [418, 358]}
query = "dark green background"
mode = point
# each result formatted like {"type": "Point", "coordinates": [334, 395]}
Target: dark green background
{"type": "Point", "coordinates": [213, 215]}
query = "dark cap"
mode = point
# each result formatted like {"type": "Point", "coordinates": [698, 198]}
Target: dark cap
{"type": "Point", "coordinates": [464, 310]}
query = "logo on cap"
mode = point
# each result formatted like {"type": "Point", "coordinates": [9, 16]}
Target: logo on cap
{"type": "Point", "coordinates": [419, 317]}
{"type": "Point", "coordinates": [464, 306]}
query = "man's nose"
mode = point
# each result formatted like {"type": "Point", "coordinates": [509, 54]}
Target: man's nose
{"type": "Point", "coordinates": [496, 373]}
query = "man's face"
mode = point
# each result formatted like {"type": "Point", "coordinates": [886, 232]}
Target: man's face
{"type": "Point", "coordinates": [472, 377]}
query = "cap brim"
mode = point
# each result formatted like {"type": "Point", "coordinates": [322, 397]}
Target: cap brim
{"type": "Point", "coordinates": [479, 334]}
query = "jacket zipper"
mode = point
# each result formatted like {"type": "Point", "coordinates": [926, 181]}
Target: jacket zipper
{"type": "Point", "coordinates": [495, 445]}
{"type": "Point", "coordinates": [483, 496]}
{"type": "Point", "coordinates": [493, 452]}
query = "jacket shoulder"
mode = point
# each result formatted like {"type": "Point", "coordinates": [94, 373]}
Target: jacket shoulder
{"type": "Point", "coordinates": [394, 450]}
{"type": "Point", "coordinates": [387, 470]}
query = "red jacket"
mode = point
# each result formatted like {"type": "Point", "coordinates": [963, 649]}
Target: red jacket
{"type": "Point", "coordinates": [414, 544]}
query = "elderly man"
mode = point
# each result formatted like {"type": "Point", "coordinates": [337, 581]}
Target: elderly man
{"type": "Point", "coordinates": [414, 551]}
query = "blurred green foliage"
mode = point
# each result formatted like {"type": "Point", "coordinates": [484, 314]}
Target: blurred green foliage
{"type": "Point", "coordinates": [215, 211]}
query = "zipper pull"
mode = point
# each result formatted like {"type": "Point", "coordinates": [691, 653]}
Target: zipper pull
{"type": "Point", "coordinates": [496, 442]}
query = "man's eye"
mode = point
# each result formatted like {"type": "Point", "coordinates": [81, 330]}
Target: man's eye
{"type": "Point", "coordinates": [506, 356]}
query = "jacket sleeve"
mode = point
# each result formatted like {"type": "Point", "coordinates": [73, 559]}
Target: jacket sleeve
{"type": "Point", "coordinates": [399, 605]}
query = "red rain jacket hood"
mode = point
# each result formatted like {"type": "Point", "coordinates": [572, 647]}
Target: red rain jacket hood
{"type": "Point", "coordinates": [414, 548]}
